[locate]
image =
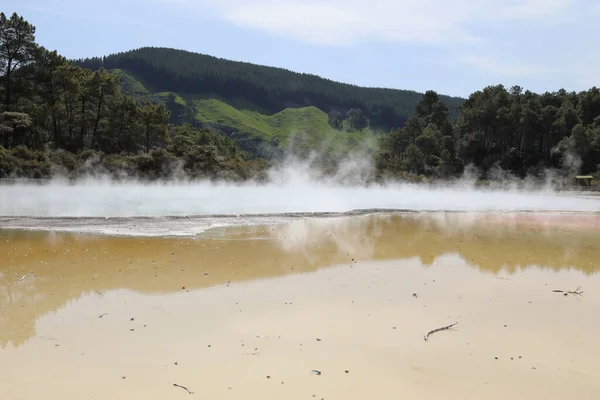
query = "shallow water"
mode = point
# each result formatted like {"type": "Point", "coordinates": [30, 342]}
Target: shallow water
{"type": "Point", "coordinates": [96, 316]}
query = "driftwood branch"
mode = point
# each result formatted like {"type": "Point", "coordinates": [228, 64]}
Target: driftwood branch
{"type": "Point", "coordinates": [576, 292]}
{"type": "Point", "coordinates": [184, 388]}
{"type": "Point", "coordinates": [438, 329]}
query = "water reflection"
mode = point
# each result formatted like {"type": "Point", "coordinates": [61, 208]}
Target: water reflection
{"type": "Point", "coordinates": [41, 272]}
{"type": "Point", "coordinates": [489, 242]}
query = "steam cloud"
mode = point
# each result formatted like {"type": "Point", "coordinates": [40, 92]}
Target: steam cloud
{"type": "Point", "coordinates": [294, 187]}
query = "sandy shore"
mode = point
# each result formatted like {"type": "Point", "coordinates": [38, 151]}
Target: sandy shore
{"type": "Point", "coordinates": [247, 312]}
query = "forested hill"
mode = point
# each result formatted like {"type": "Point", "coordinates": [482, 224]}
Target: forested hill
{"type": "Point", "coordinates": [268, 88]}
{"type": "Point", "coordinates": [228, 120]}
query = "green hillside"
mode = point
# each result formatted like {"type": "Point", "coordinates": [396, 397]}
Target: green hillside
{"type": "Point", "coordinates": [266, 110]}
{"type": "Point", "coordinates": [269, 89]}
{"type": "Point", "coordinates": [295, 129]}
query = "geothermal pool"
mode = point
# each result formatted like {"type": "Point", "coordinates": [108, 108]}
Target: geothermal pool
{"type": "Point", "coordinates": [297, 291]}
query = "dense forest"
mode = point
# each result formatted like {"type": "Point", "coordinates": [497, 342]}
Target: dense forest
{"type": "Point", "coordinates": [512, 132]}
{"type": "Point", "coordinates": [73, 119]}
{"type": "Point", "coordinates": [272, 89]}
{"type": "Point", "coordinates": [57, 117]}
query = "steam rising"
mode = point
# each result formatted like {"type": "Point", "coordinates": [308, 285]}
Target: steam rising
{"type": "Point", "coordinates": [294, 188]}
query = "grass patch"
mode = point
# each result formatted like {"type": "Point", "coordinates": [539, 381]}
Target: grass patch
{"type": "Point", "coordinates": [163, 96]}
{"type": "Point", "coordinates": [132, 85]}
{"type": "Point", "coordinates": [297, 129]}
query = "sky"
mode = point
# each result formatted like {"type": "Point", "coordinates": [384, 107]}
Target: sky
{"type": "Point", "coordinates": [454, 47]}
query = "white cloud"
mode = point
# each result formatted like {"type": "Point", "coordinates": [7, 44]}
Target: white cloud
{"type": "Point", "coordinates": [547, 41]}
{"type": "Point", "coordinates": [507, 68]}
{"type": "Point", "coordinates": [338, 22]}
{"type": "Point", "coordinates": [534, 9]}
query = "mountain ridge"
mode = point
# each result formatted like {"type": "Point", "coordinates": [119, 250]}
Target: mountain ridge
{"type": "Point", "coordinates": [272, 88]}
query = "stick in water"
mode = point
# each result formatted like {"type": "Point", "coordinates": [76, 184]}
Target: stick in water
{"type": "Point", "coordinates": [438, 329]}
{"type": "Point", "coordinates": [576, 292]}
{"type": "Point", "coordinates": [183, 387]}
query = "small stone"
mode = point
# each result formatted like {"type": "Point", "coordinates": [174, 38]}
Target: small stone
{"type": "Point", "coordinates": [123, 377]}
{"type": "Point", "coordinates": [318, 340]}
{"type": "Point", "coordinates": [268, 376]}
{"type": "Point", "coordinates": [131, 319]}
{"type": "Point", "coordinates": [495, 358]}
{"type": "Point", "coordinates": [315, 372]}
{"type": "Point", "coordinates": [346, 371]}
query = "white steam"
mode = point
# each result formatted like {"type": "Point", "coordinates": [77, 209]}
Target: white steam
{"type": "Point", "coordinates": [295, 188]}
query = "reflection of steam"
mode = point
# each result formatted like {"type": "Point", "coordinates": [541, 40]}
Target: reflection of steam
{"type": "Point", "coordinates": [490, 242]}
{"type": "Point", "coordinates": [67, 266]}
{"type": "Point", "coordinates": [509, 223]}
{"type": "Point", "coordinates": [351, 237]}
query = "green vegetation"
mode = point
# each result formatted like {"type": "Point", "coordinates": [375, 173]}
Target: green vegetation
{"type": "Point", "coordinates": [298, 130]}
{"type": "Point", "coordinates": [270, 89]}
{"type": "Point", "coordinates": [515, 132]}
{"type": "Point", "coordinates": [157, 113]}
{"type": "Point", "coordinates": [131, 85]}
{"type": "Point", "coordinates": [60, 118]}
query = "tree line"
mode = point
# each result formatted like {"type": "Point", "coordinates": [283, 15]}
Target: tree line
{"type": "Point", "coordinates": [511, 130]}
{"type": "Point", "coordinates": [73, 118]}
{"type": "Point", "coordinates": [271, 89]}
{"type": "Point", "coordinates": [56, 113]}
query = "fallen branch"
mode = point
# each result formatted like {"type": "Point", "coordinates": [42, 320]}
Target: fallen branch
{"type": "Point", "coordinates": [576, 292]}
{"type": "Point", "coordinates": [102, 315]}
{"type": "Point", "coordinates": [183, 387]}
{"type": "Point", "coordinates": [438, 329]}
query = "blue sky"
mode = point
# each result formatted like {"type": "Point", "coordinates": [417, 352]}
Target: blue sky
{"type": "Point", "coordinates": [452, 46]}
